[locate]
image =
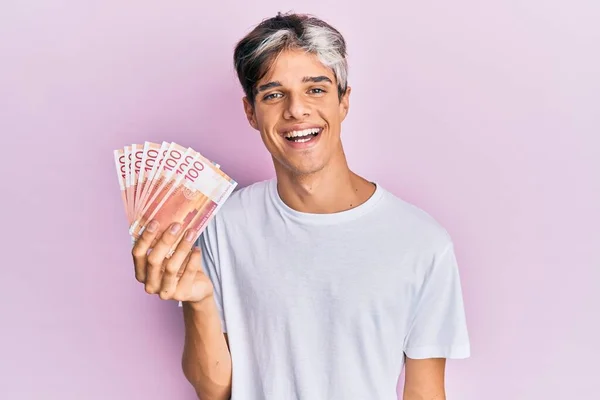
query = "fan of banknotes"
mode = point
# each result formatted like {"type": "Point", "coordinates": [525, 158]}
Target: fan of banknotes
{"type": "Point", "coordinates": [169, 183]}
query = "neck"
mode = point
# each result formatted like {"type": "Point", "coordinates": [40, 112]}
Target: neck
{"type": "Point", "coordinates": [334, 188]}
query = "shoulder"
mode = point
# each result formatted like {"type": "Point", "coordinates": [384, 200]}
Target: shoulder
{"type": "Point", "coordinates": [414, 223]}
{"type": "Point", "coordinates": [246, 200]}
{"type": "Point", "coordinates": [420, 237]}
{"type": "Point", "coordinates": [236, 214]}
{"type": "Point", "coordinates": [243, 204]}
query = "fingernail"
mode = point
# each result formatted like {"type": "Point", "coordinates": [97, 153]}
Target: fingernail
{"type": "Point", "coordinates": [152, 226]}
{"type": "Point", "coordinates": [175, 228]}
{"type": "Point", "coordinates": [189, 236]}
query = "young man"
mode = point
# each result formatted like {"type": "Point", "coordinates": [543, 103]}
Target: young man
{"type": "Point", "coordinates": [318, 284]}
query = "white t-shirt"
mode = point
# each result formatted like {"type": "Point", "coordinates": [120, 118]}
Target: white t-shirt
{"type": "Point", "coordinates": [325, 306]}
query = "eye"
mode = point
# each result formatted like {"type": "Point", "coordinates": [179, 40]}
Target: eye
{"type": "Point", "coordinates": [317, 91]}
{"type": "Point", "coordinates": [272, 96]}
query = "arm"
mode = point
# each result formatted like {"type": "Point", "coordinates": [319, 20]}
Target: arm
{"type": "Point", "coordinates": [206, 360]}
{"type": "Point", "coordinates": [438, 330]}
{"type": "Point", "coordinates": [424, 379]}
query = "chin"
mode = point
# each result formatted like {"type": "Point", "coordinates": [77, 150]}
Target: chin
{"type": "Point", "coordinates": [301, 167]}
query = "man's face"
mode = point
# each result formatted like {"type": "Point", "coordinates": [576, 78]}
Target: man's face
{"type": "Point", "coordinates": [298, 112]}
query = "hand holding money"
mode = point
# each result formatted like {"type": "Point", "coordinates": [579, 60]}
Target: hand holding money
{"type": "Point", "coordinates": [179, 277]}
{"type": "Point", "coordinates": [164, 186]}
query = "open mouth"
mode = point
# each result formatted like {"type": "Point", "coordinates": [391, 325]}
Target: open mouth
{"type": "Point", "coordinates": [303, 136]}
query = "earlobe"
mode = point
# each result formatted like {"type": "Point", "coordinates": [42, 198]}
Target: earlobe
{"type": "Point", "coordinates": [345, 103]}
{"type": "Point", "coordinates": [249, 110]}
{"type": "Point", "coordinates": [344, 112]}
{"type": "Point", "coordinates": [252, 120]}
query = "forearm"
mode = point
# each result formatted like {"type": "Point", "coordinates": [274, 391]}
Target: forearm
{"type": "Point", "coordinates": [416, 395]}
{"type": "Point", "coordinates": [206, 360]}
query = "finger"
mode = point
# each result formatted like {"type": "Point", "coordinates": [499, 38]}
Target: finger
{"type": "Point", "coordinates": [169, 288]}
{"type": "Point", "coordinates": [192, 268]}
{"type": "Point", "coordinates": [157, 258]}
{"type": "Point", "coordinates": [175, 265]}
{"type": "Point", "coordinates": [141, 248]}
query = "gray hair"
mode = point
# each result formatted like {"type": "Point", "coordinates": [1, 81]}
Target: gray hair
{"type": "Point", "coordinates": [254, 54]}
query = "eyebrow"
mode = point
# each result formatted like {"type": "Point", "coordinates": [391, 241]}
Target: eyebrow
{"type": "Point", "coordinates": [314, 79]}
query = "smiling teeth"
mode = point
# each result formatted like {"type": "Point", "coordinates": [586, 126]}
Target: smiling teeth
{"type": "Point", "coordinates": [304, 132]}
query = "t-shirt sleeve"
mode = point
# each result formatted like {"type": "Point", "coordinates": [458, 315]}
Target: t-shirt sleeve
{"type": "Point", "coordinates": [438, 327]}
{"type": "Point", "coordinates": [210, 264]}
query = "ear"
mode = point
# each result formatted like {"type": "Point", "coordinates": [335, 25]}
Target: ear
{"type": "Point", "coordinates": [345, 103]}
{"type": "Point", "coordinates": [250, 115]}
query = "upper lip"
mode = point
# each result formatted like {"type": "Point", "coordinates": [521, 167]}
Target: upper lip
{"type": "Point", "coordinates": [298, 127]}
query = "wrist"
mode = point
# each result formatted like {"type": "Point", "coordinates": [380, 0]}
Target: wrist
{"type": "Point", "coordinates": [200, 305]}
{"type": "Point", "coordinates": [203, 314]}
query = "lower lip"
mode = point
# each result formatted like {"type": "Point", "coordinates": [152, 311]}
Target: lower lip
{"type": "Point", "coordinates": [304, 145]}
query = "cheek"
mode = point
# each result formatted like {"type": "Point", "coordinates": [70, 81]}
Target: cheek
{"type": "Point", "coordinates": [266, 119]}
{"type": "Point", "coordinates": [332, 108]}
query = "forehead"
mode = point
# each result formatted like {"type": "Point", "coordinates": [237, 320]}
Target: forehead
{"type": "Point", "coordinates": [291, 66]}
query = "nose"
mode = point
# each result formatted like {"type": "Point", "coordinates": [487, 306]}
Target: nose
{"type": "Point", "coordinates": [296, 108]}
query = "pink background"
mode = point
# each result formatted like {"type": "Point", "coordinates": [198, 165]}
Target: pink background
{"type": "Point", "coordinates": [485, 114]}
